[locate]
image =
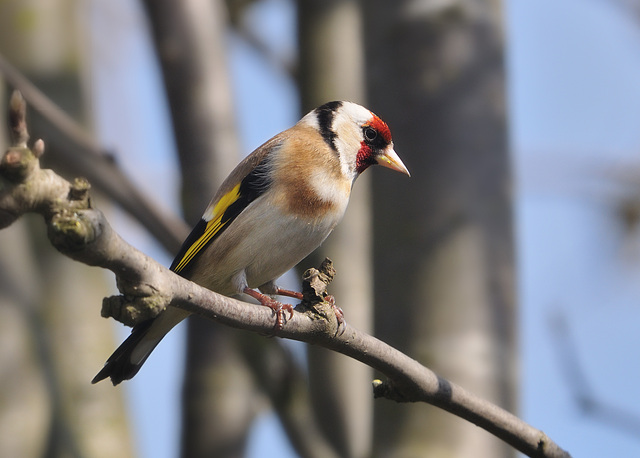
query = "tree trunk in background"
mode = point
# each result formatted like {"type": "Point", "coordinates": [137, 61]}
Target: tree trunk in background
{"type": "Point", "coordinates": [58, 321]}
{"type": "Point", "coordinates": [219, 397]}
{"type": "Point", "coordinates": [331, 68]}
{"type": "Point", "coordinates": [444, 253]}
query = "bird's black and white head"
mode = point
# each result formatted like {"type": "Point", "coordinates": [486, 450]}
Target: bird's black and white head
{"type": "Point", "coordinates": [358, 137]}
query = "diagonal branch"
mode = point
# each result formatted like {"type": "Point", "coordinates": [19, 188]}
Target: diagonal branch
{"type": "Point", "coordinates": [83, 233]}
{"type": "Point", "coordinates": [91, 160]}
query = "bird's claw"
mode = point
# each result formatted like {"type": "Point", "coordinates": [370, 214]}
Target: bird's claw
{"type": "Point", "coordinates": [279, 309]}
{"type": "Point", "coordinates": [280, 320]}
{"type": "Point", "coordinates": [338, 311]}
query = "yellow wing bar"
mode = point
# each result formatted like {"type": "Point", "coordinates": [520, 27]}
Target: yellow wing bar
{"type": "Point", "coordinates": [214, 224]}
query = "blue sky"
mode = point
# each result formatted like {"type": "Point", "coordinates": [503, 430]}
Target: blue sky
{"type": "Point", "coordinates": [574, 71]}
{"type": "Point", "coordinates": [574, 100]}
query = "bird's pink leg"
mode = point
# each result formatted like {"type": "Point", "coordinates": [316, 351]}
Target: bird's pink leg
{"type": "Point", "coordinates": [278, 307]}
{"type": "Point", "coordinates": [288, 293]}
{"type": "Point", "coordinates": [337, 310]}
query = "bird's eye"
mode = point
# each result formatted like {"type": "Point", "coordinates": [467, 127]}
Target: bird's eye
{"type": "Point", "coordinates": [370, 133]}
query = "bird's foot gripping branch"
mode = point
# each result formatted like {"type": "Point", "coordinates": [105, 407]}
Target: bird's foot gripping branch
{"type": "Point", "coordinates": [82, 233]}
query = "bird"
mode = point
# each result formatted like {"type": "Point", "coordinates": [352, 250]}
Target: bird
{"type": "Point", "coordinates": [277, 206]}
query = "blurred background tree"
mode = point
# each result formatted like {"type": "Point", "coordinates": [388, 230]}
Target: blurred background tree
{"type": "Point", "coordinates": [193, 85]}
{"type": "Point", "coordinates": [50, 331]}
{"type": "Point", "coordinates": [443, 241]}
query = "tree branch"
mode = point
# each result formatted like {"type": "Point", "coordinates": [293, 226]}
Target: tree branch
{"type": "Point", "coordinates": [83, 233]}
{"type": "Point", "coordinates": [84, 155]}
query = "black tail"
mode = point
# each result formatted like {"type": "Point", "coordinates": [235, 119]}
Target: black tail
{"type": "Point", "coordinates": [119, 365]}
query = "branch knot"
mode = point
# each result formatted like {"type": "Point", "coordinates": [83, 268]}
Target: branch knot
{"type": "Point", "coordinates": [132, 310]}
{"type": "Point", "coordinates": [70, 231]}
{"type": "Point", "coordinates": [17, 164]}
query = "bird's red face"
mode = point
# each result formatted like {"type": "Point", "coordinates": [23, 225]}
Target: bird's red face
{"type": "Point", "coordinates": [376, 147]}
{"type": "Point", "coordinates": [360, 138]}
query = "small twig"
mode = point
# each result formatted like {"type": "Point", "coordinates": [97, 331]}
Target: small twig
{"type": "Point", "coordinates": [18, 121]}
{"type": "Point", "coordinates": [83, 233]}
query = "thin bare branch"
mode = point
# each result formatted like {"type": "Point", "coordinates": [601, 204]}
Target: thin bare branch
{"type": "Point", "coordinates": [276, 60]}
{"type": "Point", "coordinates": [92, 161]}
{"type": "Point", "coordinates": [83, 233]}
{"type": "Point", "coordinates": [238, 12]}
{"type": "Point", "coordinates": [585, 397]}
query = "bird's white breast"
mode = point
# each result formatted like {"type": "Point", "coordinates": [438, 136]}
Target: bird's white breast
{"type": "Point", "coordinates": [265, 243]}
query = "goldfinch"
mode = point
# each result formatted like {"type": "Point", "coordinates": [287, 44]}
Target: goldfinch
{"type": "Point", "coordinates": [277, 206]}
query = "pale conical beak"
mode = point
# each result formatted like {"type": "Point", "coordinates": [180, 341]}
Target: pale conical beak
{"type": "Point", "coordinates": [391, 160]}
